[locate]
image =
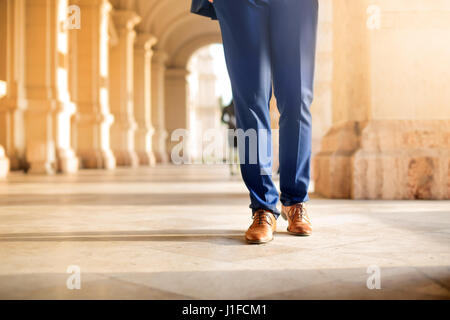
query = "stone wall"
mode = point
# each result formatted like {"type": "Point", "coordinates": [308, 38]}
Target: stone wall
{"type": "Point", "coordinates": [390, 137]}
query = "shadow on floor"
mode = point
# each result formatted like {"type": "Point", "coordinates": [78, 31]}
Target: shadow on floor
{"type": "Point", "coordinates": [123, 199]}
{"type": "Point", "coordinates": [225, 237]}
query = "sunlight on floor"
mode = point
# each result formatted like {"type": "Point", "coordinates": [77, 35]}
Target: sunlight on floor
{"type": "Point", "coordinates": [177, 232]}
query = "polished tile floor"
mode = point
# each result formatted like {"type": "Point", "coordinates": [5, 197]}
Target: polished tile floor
{"type": "Point", "coordinates": [177, 233]}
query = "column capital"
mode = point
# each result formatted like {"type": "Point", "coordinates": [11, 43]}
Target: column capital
{"type": "Point", "coordinates": [145, 41]}
{"type": "Point", "coordinates": [106, 6]}
{"type": "Point", "coordinates": [174, 73]}
{"type": "Point", "coordinates": [125, 19]}
{"type": "Point", "coordinates": [160, 57]}
{"type": "Point", "coordinates": [92, 3]}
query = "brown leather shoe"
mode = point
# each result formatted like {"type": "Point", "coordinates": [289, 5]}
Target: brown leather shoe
{"type": "Point", "coordinates": [262, 229]}
{"type": "Point", "coordinates": [298, 219]}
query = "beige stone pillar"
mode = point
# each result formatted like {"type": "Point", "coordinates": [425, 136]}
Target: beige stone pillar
{"type": "Point", "coordinates": [391, 113]}
{"type": "Point", "coordinates": [274, 124]}
{"type": "Point", "coordinates": [142, 98]}
{"type": "Point", "coordinates": [158, 106]}
{"type": "Point", "coordinates": [121, 89]}
{"type": "Point", "coordinates": [4, 163]}
{"type": "Point", "coordinates": [12, 101]}
{"type": "Point", "coordinates": [176, 111]}
{"type": "Point", "coordinates": [94, 118]}
{"type": "Point", "coordinates": [321, 108]}
{"type": "Point", "coordinates": [203, 112]}
{"type": "Point", "coordinates": [49, 112]}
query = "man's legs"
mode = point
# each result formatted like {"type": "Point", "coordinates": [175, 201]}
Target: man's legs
{"type": "Point", "coordinates": [245, 33]}
{"type": "Point", "coordinates": [293, 28]}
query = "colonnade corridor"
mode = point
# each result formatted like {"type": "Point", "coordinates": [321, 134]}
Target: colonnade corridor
{"type": "Point", "coordinates": [175, 232]}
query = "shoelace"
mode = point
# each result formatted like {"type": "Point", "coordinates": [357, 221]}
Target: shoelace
{"type": "Point", "coordinates": [261, 217]}
{"type": "Point", "coordinates": [298, 212]}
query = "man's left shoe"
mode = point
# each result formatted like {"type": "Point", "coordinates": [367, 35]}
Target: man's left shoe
{"type": "Point", "coordinates": [298, 219]}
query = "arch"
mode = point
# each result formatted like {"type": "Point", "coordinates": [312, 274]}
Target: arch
{"type": "Point", "coordinates": [181, 57]}
{"type": "Point", "coordinates": [179, 34]}
{"type": "Point", "coordinates": [176, 85]}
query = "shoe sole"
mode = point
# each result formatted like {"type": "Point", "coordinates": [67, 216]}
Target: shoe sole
{"type": "Point", "coordinates": [257, 241]}
{"type": "Point", "coordinates": [299, 234]}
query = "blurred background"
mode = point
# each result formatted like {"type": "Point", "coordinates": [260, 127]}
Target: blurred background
{"type": "Point", "coordinates": [100, 84]}
{"type": "Point", "coordinates": [91, 92]}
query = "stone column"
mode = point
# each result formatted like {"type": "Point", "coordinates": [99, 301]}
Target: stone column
{"type": "Point", "coordinates": [176, 116]}
{"type": "Point", "coordinates": [13, 103]}
{"type": "Point", "coordinates": [275, 126]}
{"type": "Point", "coordinates": [158, 104]}
{"type": "Point", "coordinates": [203, 111]}
{"type": "Point", "coordinates": [49, 112]}
{"type": "Point", "coordinates": [321, 108]}
{"type": "Point", "coordinates": [4, 163]}
{"type": "Point", "coordinates": [391, 117]}
{"type": "Point", "coordinates": [142, 98]}
{"type": "Point", "coordinates": [94, 118]}
{"type": "Point", "coordinates": [121, 89]}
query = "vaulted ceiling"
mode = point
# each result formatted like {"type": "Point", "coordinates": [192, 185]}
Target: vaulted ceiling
{"type": "Point", "coordinates": [178, 31]}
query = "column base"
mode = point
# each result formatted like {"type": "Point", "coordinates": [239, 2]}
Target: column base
{"type": "Point", "coordinates": [17, 163]}
{"type": "Point", "coordinates": [4, 164]}
{"type": "Point", "coordinates": [123, 143]}
{"type": "Point", "coordinates": [159, 143]}
{"type": "Point", "coordinates": [92, 140]}
{"type": "Point", "coordinates": [126, 158]}
{"type": "Point", "coordinates": [385, 159]}
{"type": "Point", "coordinates": [143, 144]}
{"type": "Point", "coordinates": [12, 123]}
{"type": "Point", "coordinates": [67, 161]}
{"type": "Point", "coordinates": [146, 158]}
{"type": "Point", "coordinates": [97, 159]}
{"type": "Point", "coordinates": [161, 157]}
{"type": "Point", "coordinates": [41, 168]}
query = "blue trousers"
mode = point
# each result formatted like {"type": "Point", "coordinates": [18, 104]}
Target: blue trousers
{"type": "Point", "coordinates": [272, 42]}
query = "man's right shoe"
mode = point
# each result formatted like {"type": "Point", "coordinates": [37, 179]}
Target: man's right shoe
{"type": "Point", "coordinates": [263, 227]}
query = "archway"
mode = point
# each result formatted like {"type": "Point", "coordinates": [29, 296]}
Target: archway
{"type": "Point", "coordinates": [209, 90]}
{"type": "Point", "coordinates": [179, 34]}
